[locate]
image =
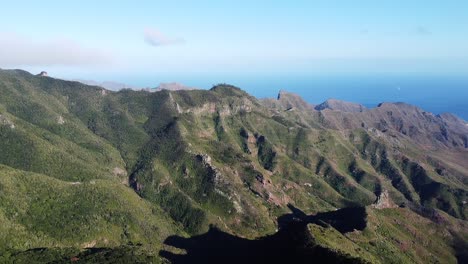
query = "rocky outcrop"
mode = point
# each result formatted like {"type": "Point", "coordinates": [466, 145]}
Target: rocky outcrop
{"type": "Point", "coordinates": [214, 171]}
{"type": "Point", "coordinates": [223, 109]}
{"type": "Point", "coordinates": [60, 120]}
{"type": "Point", "coordinates": [6, 122]}
{"type": "Point", "coordinates": [384, 201]}
{"type": "Point", "coordinates": [339, 105]}
{"type": "Point", "coordinates": [287, 101]}
{"type": "Point", "coordinates": [119, 172]}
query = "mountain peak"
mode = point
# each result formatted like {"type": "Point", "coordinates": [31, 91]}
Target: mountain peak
{"type": "Point", "coordinates": [290, 100]}
{"type": "Point", "coordinates": [228, 90]}
{"type": "Point", "coordinates": [43, 73]}
{"type": "Point", "coordinates": [283, 93]}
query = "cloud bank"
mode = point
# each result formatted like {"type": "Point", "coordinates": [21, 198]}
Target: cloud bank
{"type": "Point", "coordinates": [16, 50]}
{"type": "Point", "coordinates": [155, 38]}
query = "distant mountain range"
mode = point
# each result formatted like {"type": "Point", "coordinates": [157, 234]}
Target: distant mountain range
{"type": "Point", "coordinates": [115, 86]}
{"type": "Point", "coordinates": [174, 86]}
{"type": "Point", "coordinates": [185, 175]}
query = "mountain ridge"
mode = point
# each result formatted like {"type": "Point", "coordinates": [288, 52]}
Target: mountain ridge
{"type": "Point", "coordinates": [335, 104]}
{"type": "Point", "coordinates": [222, 157]}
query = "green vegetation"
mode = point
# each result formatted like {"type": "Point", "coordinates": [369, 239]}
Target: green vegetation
{"type": "Point", "coordinates": [122, 254]}
{"type": "Point", "coordinates": [392, 236]}
{"type": "Point", "coordinates": [330, 238]}
{"type": "Point", "coordinates": [266, 154]}
{"type": "Point", "coordinates": [39, 211]}
{"type": "Point", "coordinates": [84, 167]}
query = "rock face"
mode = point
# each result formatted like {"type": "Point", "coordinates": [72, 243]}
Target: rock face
{"type": "Point", "coordinates": [287, 101]}
{"type": "Point", "coordinates": [339, 105]}
{"type": "Point", "coordinates": [60, 120]}
{"type": "Point", "coordinates": [384, 201]}
{"type": "Point", "coordinates": [7, 122]}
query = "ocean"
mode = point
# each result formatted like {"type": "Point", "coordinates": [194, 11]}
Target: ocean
{"type": "Point", "coordinates": [433, 94]}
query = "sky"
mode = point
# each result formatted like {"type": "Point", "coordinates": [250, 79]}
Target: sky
{"type": "Point", "coordinates": [142, 43]}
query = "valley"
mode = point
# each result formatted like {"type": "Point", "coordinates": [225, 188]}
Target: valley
{"type": "Point", "coordinates": [91, 174]}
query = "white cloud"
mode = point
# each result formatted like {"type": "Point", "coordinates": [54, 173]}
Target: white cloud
{"type": "Point", "coordinates": [16, 50]}
{"type": "Point", "coordinates": [155, 38]}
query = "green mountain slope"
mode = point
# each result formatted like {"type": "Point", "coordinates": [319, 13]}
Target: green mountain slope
{"type": "Point", "coordinates": [84, 166]}
{"type": "Point", "coordinates": [39, 211]}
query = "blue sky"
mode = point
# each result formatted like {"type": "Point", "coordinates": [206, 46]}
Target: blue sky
{"type": "Point", "coordinates": [146, 42]}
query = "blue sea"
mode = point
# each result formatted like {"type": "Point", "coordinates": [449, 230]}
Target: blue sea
{"type": "Point", "coordinates": [431, 93]}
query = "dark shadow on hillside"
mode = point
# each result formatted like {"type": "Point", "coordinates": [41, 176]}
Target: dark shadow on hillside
{"type": "Point", "coordinates": [344, 220]}
{"type": "Point", "coordinates": [291, 244]}
{"type": "Point", "coordinates": [119, 255]}
{"type": "Point", "coordinates": [460, 246]}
